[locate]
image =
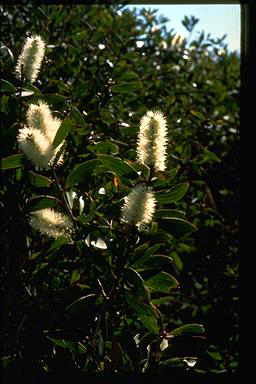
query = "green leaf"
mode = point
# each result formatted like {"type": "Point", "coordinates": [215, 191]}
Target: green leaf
{"type": "Point", "coordinates": [188, 328]}
{"type": "Point", "coordinates": [80, 172]}
{"type": "Point", "coordinates": [85, 219]}
{"type": "Point", "coordinates": [39, 180]}
{"type": "Point", "coordinates": [40, 202]}
{"type": "Point", "coordinates": [81, 303]}
{"type": "Point", "coordinates": [55, 100]}
{"type": "Point", "coordinates": [134, 278]}
{"type": "Point", "coordinates": [75, 276]}
{"type": "Point", "coordinates": [176, 226]}
{"type": "Point", "coordinates": [107, 117]}
{"type": "Point", "coordinates": [153, 262]}
{"type": "Point", "coordinates": [4, 104]}
{"type": "Point", "coordinates": [169, 213]}
{"type": "Point", "coordinates": [144, 309]}
{"type": "Point", "coordinates": [104, 147]}
{"type": "Point", "coordinates": [62, 132]}
{"type": "Point", "coordinates": [148, 252]}
{"type": "Point", "coordinates": [150, 323]}
{"type": "Point", "coordinates": [78, 116]}
{"type": "Point", "coordinates": [172, 195]}
{"type": "Point", "coordinates": [126, 87]}
{"type": "Point", "coordinates": [143, 169]}
{"type": "Point", "coordinates": [13, 161]}
{"type": "Point", "coordinates": [162, 282]}
{"type": "Point", "coordinates": [197, 114]}
{"type": "Point", "coordinates": [6, 86]}
{"type": "Point", "coordinates": [118, 166]}
{"type": "Point", "coordinates": [32, 88]}
{"type": "Point", "coordinates": [162, 300]}
{"type": "Point", "coordinates": [70, 345]}
{"type": "Point", "coordinates": [210, 156]}
{"type": "Point", "coordinates": [173, 362]}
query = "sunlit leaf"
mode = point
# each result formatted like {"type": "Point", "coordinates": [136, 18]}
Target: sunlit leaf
{"type": "Point", "coordinates": [188, 328]}
{"type": "Point", "coordinates": [40, 202]}
{"type": "Point", "coordinates": [118, 166]}
{"type": "Point", "coordinates": [81, 303]}
{"type": "Point", "coordinates": [6, 86]}
{"type": "Point", "coordinates": [39, 180]}
{"type": "Point", "coordinates": [176, 226]}
{"type": "Point", "coordinates": [172, 195]}
{"type": "Point", "coordinates": [62, 132]}
{"type": "Point", "coordinates": [13, 161]}
{"type": "Point", "coordinates": [80, 172]}
{"type": "Point", "coordinates": [162, 282]}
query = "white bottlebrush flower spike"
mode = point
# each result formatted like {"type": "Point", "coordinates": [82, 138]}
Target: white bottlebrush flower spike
{"type": "Point", "coordinates": [31, 58]}
{"type": "Point", "coordinates": [36, 147]}
{"type": "Point", "coordinates": [36, 140]}
{"type": "Point", "coordinates": [51, 223]}
{"type": "Point", "coordinates": [178, 39]}
{"type": "Point", "coordinates": [139, 207]}
{"type": "Point", "coordinates": [152, 141]}
{"type": "Point", "coordinates": [40, 117]}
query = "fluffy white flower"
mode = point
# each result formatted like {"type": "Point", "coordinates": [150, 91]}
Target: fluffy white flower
{"type": "Point", "coordinates": [152, 141]}
{"type": "Point", "coordinates": [139, 207]}
{"type": "Point", "coordinates": [36, 140]}
{"type": "Point", "coordinates": [51, 223]}
{"type": "Point", "coordinates": [31, 58]}
{"type": "Point", "coordinates": [178, 39]}
{"type": "Point", "coordinates": [40, 117]}
{"type": "Point", "coordinates": [35, 146]}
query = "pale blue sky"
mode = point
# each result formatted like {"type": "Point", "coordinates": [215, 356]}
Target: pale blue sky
{"type": "Point", "coordinates": [216, 19]}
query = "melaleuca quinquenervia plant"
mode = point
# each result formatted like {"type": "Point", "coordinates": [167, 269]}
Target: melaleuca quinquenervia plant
{"type": "Point", "coordinates": [110, 227]}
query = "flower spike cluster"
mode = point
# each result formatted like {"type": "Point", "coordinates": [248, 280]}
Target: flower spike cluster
{"type": "Point", "coordinates": [152, 141]}
{"type": "Point", "coordinates": [139, 207]}
{"type": "Point", "coordinates": [51, 223]}
{"type": "Point", "coordinates": [30, 59]}
{"type": "Point", "coordinates": [36, 140]}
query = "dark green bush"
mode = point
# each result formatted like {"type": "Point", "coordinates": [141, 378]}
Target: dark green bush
{"type": "Point", "coordinates": [70, 305]}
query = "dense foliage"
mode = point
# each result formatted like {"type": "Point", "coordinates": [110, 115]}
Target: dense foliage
{"type": "Point", "coordinates": [105, 303]}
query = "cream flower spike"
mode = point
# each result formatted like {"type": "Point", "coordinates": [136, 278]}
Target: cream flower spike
{"type": "Point", "coordinates": [40, 117]}
{"type": "Point", "coordinates": [152, 141]}
{"type": "Point", "coordinates": [31, 58]}
{"type": "Point", "coordinates": [36, 140]}
{"type": "Point", "coordinates": [36, 147]}
{"type": "Point", "coordinates": [139, 207]}
{"type": "Point", "coordinates": [178, 39]}
{"type": "Point", "coordinates": [51, 223]}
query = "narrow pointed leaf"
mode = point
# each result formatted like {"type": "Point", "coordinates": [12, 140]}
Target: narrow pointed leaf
{"type": "Point", "coordinates": [118, 166]}
{"type": "Point", "coordinates": [81, 303]}
{"type": "Point", "coordinates": [62, 132]}
{"type": "Point", "coordinates": [188, 328]}
{"type": "Point", "coordinates": [6, 86]}
{"type": "Point", "coordinates": [39, 180]}
{"type": "Point", "coordinates": [81, 172]}
{"type": "Point", "coordinates": [162, 282]}
{"type": "Point", "coordinates": [154, 262]}
{"type": "Point", "coordinates": [40, 202]}
{"type": "Point", "coordinates": [144, 309]}
{"type": "Point", "coordinates": [150, 323]}
{"type": "Point", "coordinates": [13, 161]}
{"type": "Point", "coordinates": [176, 226]}
{"type": "Point", "coordinates": [172, 195]}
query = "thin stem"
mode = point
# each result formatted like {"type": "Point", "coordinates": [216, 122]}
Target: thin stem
{"type": "Point", "coordinates": [65, 199]}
